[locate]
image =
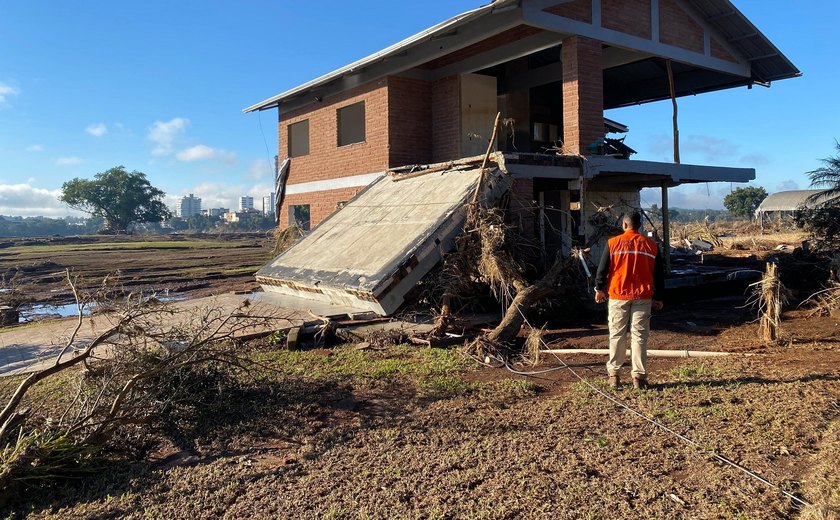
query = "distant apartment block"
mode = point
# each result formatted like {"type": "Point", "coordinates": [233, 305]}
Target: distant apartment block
{"type": "Point", "coordinates": [189, 206]}
{"type": "Point", "coordinates": [268, 204]}
{"type": "Point", "coordinates": [246, 202]}
{"type": "Point", "coordinates": [214, 212]}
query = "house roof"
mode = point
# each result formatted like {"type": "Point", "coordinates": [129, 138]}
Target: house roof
{"type": "Point", "coordinates": [767, 63]}
{"type": "Point", "coordinates": [793, 200]}
{"type": "Point", "coordinates": [428, 34]}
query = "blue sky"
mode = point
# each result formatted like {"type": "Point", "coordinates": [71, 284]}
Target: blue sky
{"type": "Point", "coordinates": [159, 87]}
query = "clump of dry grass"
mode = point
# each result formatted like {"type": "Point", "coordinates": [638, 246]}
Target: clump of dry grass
{"type": "Point", "coordinates": [533, 345]}
{"type": "Point", "coordinates": [824, 302]}
{"type": "Point", "coordinates": [494, 262]}
{"type": "Point", "coordinates": [286, 238]}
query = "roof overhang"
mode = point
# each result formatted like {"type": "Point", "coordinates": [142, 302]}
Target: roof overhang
{"type": "Point", "coordinates": [634, 70]}
{"type": "Point", "coordinates": [439, 31]}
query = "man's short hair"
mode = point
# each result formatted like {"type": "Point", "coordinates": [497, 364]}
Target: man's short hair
{"type": "Point", "coordinates": [634, 218]}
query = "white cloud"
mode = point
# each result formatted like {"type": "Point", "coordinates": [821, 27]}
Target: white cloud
{"type": "Point", "coordinates": [35, 148]}
{"type": "Point", "coordinates": [97, 129]}
{"type": "Point", "coordinates": [7, 91]}
{"type": "Point", "coordinates": [690, 196]}
{"type": "Point", "coordinates": [259, 169]}
{"type": "Point", "coordinates": [68, 161]}
{"type": "Point", "coordinates": [202, 153]}
{"type": "Point", "coordinates": [709, 149]}
{"type": "Point", "coordinates": [163, 134]}
{"type": "Point", "coordinates": [788, 186]}
{"type": "Point", "coordinates": [24, 200]}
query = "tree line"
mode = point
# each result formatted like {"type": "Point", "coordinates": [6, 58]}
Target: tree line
{"type": "Point", "coordinates": [122, 201]}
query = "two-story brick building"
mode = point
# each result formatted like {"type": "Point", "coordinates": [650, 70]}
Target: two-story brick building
{"type": "Point", "coordinates": [552, 68]}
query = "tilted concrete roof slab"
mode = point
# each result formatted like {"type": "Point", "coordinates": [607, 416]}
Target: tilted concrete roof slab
{"type": "Point", "coordinates": [371, 252]}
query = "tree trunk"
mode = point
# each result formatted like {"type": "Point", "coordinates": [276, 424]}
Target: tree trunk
{"type": "Point", "coordinates": [526, 297]}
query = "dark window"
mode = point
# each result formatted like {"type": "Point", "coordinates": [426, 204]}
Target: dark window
{"type": "Point", "coordinates": [299, 139]}
{"type": "Point", "coordinates": [299, 214]}
{"type": "Point", "coordinates": [351, 124]}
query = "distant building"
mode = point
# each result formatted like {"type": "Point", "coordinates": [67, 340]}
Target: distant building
{"type": "Point", "coordinates": [215, 212]}
{"type": "Point", "coordinates": [189, 206]}
{"type": "Point", "coordinates": [236, 216]}
{"type": "Point", "coordinates": [268, 204]}
{"type": "Point", "coordinates": [246, 202]}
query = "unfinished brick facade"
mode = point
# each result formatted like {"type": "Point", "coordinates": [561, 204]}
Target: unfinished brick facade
{"type": "Point", "coordinates": [580, 10]}
{"type": "Point", "coordinates": [627, 16]}
{"type": "Point", "coordinates": [321, 204]}
{"type": "Point", "coordinates": [446, 124]}
{"type": "Point", "coordinates": [325, 159]}
{"type": "Point", "coordinates": [678, 28]}
{"type": "Point", "coordinates": [583, 93]}
{"type": "Point", "coordinates": [417, 118]}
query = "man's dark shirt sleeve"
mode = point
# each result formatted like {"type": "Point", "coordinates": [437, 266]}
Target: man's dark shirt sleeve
{"type": "Point", "coordinates": [658, 276]}
{"type": "Point", "coordinates": [603, 271]}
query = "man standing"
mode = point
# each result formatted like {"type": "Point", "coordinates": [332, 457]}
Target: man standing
{"type": "Point", "coordinates": [631, 275]}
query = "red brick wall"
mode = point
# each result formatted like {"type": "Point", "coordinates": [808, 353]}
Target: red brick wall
{"type": "Point", "coordinates": [321, 204]}
{"type": "Point", "coordinates": [679, 29]}
{"type": "Point", "coordinates": [580, 10]}
{"type": "Point", "coordinates": [583, 93]}
{"type": "Point", "coordinates": [509, 36]}
{"type": "Point", "coordinates": [325, 159]}
{"type": "Point", "coordinates": [720, 52]}
{"type": "Point", "coordinates": [446, 124]}
{"type": "Point", "coordinates": [409, 121]}
{"type": "Point", "coordinates": [627, 16]}
{"type": "Point", "coordinates": [522, 212]}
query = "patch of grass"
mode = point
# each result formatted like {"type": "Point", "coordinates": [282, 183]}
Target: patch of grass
{"type": "Point", "coordinates": [446, 387]}
{"type": "Point", "coordinates": [401, 361]}
{"type": "Point", "coordinates": [695, 371]}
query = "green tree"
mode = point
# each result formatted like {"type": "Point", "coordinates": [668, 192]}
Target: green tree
{"type": "Point", "coordinates": [119, 197]}
{"type": "Point", "coordinates": [828, 177]}
{"type": "Point", "coordinates": [744, 201]}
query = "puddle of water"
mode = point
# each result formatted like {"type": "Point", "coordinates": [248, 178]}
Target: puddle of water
{"type": "Point", "coordinates": [42, 311]}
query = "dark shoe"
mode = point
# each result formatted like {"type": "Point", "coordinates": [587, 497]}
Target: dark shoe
{"type": "Point", "coordinates": [640, 383]}
{"type": "Point", "coordinates": [613, 380]}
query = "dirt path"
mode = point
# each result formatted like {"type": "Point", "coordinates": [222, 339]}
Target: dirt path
{"type": "Point", "coordinates": [33, 347]}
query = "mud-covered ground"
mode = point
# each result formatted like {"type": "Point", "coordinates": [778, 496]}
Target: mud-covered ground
{"type": "Point", "coordinates": [188, 265]}
{"type": "Point", "coordinates": [408, 432]}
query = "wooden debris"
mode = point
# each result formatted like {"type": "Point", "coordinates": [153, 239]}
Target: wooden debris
{"type": "Point", "coordinates": [771, 299]}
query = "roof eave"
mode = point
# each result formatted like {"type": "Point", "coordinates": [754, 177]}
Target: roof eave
{"type": "Point", "coordinates": [397, 48]}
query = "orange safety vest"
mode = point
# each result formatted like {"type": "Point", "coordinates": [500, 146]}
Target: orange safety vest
{"type": "Point", "coordinates": [632, 261]}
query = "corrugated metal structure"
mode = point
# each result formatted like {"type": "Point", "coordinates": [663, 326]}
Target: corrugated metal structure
{"type": "Point", "coordinates": [790, 201]}
{"type": "Point", "coordinates": [786, 203]}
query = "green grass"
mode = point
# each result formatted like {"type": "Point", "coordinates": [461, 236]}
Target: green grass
{"type": "Point", "coordinates": [400, 361]}
{"type": "Point", "coordinates": [696, 371]}
{"type": "Point", "coordinates": [432, 371]}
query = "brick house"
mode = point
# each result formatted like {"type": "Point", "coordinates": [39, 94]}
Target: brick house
{"type": "Point", "coordinates": [552, 68]}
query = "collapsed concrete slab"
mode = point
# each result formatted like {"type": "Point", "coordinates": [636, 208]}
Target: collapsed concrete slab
{"type": "Point", "coordinates": [370, 253]}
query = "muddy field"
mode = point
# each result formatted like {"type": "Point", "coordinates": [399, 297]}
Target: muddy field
{"type": "Point", "coordinates": [409, 432]}
{"type": "Point", "coordinates": [186, 265]}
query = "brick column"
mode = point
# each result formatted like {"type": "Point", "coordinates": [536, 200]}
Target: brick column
{"type": "Point", "coordinates": [583, 93]}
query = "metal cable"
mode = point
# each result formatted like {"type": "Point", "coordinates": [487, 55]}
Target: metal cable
{"type": "Point", "coordinates": [654, 422]}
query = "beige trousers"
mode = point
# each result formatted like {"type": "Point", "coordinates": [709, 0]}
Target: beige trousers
{"type": "Point", "coordinates": [628, 317]}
